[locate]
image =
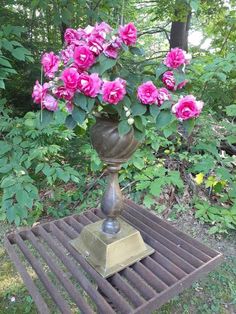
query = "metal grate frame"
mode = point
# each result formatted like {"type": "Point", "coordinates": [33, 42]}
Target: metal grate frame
{"type": "Point", "coordinates": [178, 261]}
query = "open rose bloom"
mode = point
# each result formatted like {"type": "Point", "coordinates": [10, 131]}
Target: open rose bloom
{"type": "Point", "coordinates": [87, 75]}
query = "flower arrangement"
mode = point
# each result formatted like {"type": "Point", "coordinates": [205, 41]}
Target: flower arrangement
{"type": "Point", "coordinates": [87, 78]}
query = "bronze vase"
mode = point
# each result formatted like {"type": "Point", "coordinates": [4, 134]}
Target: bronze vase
{"type": "Point", "coordinates": [114, 150]}
{"type": "Point", "coordinates": [111, 244]}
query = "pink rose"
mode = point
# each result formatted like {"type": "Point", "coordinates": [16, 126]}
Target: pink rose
{"type": "Point", "coordinates": [95, 45]}
{"type": "Point", "coordinates": [67, 54]}
{"type": "Point", "coordinates": [113, 91]}
{"type": "Point", "coordinates": [70, 78]}
{"type": "Point", "coordinates": [111, 49]}
{"type": "Point", "coordinates": [169, 80]}
{"type": "Point", "coordinates": [50, 64]}
{"type": "Point", "coordinates": [89, 85]}
{"type": "Point", "coordinates": [102, 29]}
{"type": "Point", "coordinates": [147, 93]}
{"type": "Point", "coordinates": [50, 103]}
{"type": "Point", "coordinates": [39, 92]}
{"type": "Point", "coordinates": [71, 36]}
{"type": "Point", "coordinates": [162, 95]}
{"type": "Point", "coordinates": [128, 34]}
{"type": "Point", "coordinates": [83, 57]}
{"type": "Point", "coordinates": [63, 92]}
{"type": "Point", "coordinates": [175, 58]}
{"type": "Point", "coordinates": [187, 107]}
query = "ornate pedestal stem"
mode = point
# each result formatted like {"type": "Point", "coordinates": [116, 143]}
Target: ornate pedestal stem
{"type": "Point", "coordinates": [112, 202]}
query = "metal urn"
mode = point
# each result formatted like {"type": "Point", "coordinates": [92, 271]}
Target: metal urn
{"type": "Point", "coordinates": [111, 244]}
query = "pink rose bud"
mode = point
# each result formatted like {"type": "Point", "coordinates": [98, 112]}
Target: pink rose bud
{"type": "Point", "coordinates": [147, 93]}
{"type": "Point", "coordinates": [63, 93]}
{"type": "Point", "coordinates": [50, 64]}
{"type": "Point", "coordinates": [94, 44]}
{"type": "Point", "coordinates": [169, 80]}
{"type": "Point", "coordinates": [70, 78]}
{"type": "Point", "coordinates": [69, 106]}
{"type": "Point", "coordinates": [50, 103]}
{"type": "Point", "coordinates": [111, 49]}
{"type": "Point", "coordinates": [89, 85]}
{"type": "Point", "coordinates": [128, 34]}
{"type": "Point", "coordinates": [39, 92]}
{"type": "Point", "coordinates": [175, 58]}
{"type": "Point", "coordinates": [162, 96]}
{"type": "Point", "coordinates": [113, 91]}
{"type": "Point", "coordinates": [67, 54]}
{"type": "Point", "coordinates": [72, 36]}
{"type": "Point", "coordinates": [83, 57]}
{"type": "Point", "coordinates": [187, 107]}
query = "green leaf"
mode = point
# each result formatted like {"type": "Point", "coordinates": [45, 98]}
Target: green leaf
{"type": "Point", "coordinates": [161, 69]}
{"type": "Point", "coordinates": [11, 213]}
{"type": "Point", "coordinates": [136, 51]}
{"type": "Point", "coordinates": [138, 123]}
{"type": "Point", "coordinates": [6, 168]}
{"type": "Point", "coordinates": [189, 125]}
{"type": "Point", "coordinates": [163, 119]}
{"type": "Point", "coordinates": [70, 122]}
{"type": "Point", "coordinates": [123, 127]}
{"type": "Point", "coordinates": [139, 136]}
{"type": "Point", "coordinates": [47, 117]}
{"type": "Point", "coordinates": [231, 110]}
{"type": "Point", "coordinates": [155, 187]}
{"type": "Point", "coordinates": [171, 129]}
{"type": "Point", "coordinates": [5, 63]}
{"type": "Point", "coordinates": [63, 175]}
{"type": "Point", "coordinates": [4, 147]}
{"type": "Point", "coordinates": [138, 109]}
{"type": "Point", "coordinates": [127, 102]}
{"type": "Point", "coordinates": [179, 77]}
{"type": "Point", "coordinates": [80, 100]}
{"type": "Point", "coordinates": [78, 115]}
{"type": "Point", "coordinates": [8, 181]}
{"type": "Point", "coordinates": [106, 65]}
{"type": "Point", "coordinates": [22, 197]}
{"type": "Point", "coordinates": [90, 104]}
{"type": "Point", "coordinates": [2, 84]}
{"type": "Point", "coordinates": [39, 167]}
{"type": "Point", "coordinates": [154, 111]}
{"type": "Point", "coordinates": [19, 53]}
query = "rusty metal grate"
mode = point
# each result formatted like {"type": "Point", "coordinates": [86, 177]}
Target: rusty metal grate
{"type": "Point", "coordinates": [70, 282]}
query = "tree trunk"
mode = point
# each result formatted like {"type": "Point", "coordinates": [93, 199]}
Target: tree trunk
{"type": "Point", "coordinates": [180, 26]}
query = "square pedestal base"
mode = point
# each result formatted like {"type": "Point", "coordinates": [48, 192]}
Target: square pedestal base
{"type": "Point", "coordinates": [109, 254]}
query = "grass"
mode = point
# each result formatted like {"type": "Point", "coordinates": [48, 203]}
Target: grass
{"type": "Point", "coordinates": [214, 294]}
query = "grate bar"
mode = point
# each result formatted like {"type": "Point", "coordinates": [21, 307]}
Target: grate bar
{"type": "Point", "coordinates": [117, 281]}
{"type": "Point", "coordinates": [168, 235]}
{"type": "Point", "coordinates": [148, 276]}
{"type": "Point", "coordinates": [178, 250]}
{"type": "Point", "coordinates": [39, 301]}
{"type": "Point", "coordinates": [138, 283]}
{"type": "Point", "coordinates": [202, 247]}
{"type": "Point", "coordinates": [70, 288]}
{"type": "Point", "coordinates": [55, 294]}
{"type": "Point", "coordinates": [73, 268]}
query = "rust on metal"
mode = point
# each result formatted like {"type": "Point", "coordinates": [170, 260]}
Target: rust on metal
{"type": "Point", "coordinates": [63, 278]}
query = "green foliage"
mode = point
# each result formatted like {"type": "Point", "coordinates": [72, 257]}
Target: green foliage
{"type": "Point", "coordinates": [11, 47]}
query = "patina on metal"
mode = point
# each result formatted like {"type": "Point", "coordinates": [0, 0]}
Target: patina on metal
{"type": "Point", "coordinates": [112, 244]}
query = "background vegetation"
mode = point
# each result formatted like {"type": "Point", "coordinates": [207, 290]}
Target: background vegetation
{"type": "Point", "coordinates": [52, 171]}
